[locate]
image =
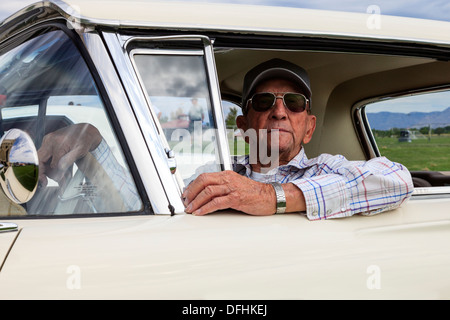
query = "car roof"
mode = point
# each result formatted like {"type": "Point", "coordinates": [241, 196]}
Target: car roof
{"type": "Point", "coordinates": [247, 19]}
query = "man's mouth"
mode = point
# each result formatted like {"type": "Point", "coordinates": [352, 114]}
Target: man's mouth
{"type": "Point", "coordinates": [278, 130]}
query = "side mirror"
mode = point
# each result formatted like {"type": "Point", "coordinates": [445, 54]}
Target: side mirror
{"type": "Point", "coordinates": [19, 166]}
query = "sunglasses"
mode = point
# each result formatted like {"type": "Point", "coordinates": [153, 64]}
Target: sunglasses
{"type": "Point", "coordinates": [295, 102]}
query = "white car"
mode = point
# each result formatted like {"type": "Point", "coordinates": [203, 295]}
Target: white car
{"type": "Point", "coordinates": [129, 68]}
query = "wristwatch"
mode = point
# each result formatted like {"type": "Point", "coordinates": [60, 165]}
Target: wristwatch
{"type": "Point", "coordinates": [281, 197]}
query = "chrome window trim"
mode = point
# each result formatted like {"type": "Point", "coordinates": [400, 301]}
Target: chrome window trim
{"type": "Point", "coordinates": [224, 150]}
{"type": "Point", "coordinates": [367, 139]}
{"type": "Point", "coordinates": [175, 52]}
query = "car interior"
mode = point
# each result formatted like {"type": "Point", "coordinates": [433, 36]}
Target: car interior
{"type": "Point", "coordinates": [342, 82]}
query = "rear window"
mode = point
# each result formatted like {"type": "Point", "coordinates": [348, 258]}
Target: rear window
{"type": "Point", "coordinates": [414, 130]}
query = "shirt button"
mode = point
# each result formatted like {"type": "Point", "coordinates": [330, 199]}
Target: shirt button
{"type": "Point", "coordinates": [343, 209]}
{"type": "Point", "coordinates": [314, 213]}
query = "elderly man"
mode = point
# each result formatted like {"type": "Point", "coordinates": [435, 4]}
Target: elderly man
{"type": "Point", "coordinates": [277, 98]}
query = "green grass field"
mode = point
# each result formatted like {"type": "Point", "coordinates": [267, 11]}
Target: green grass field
{"type": "Point", "coordinates": [419, 154]}
{"type": "Point", "coordinates": [27, 176]}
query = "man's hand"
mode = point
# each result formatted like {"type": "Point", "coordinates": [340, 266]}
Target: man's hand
{"type": "Point", "coordinates": [222, 190]}
{"type": "Point", "coordinates": [61, 148]}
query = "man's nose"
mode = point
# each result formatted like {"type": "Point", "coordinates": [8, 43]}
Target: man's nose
{"type": "Point", "coordinates": [279, 110]}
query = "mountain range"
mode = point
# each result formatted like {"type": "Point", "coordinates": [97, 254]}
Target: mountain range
{"type": "Point", "coordinates": [389, 120]}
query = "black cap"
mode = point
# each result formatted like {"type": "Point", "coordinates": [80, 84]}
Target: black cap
{"type": "Point", "coordinates": [275, 68]}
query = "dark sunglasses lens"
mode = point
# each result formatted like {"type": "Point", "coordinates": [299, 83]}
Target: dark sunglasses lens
{"type": "Point", "coordinates": [295, 102]}
{"type": "Point", "coordinates": [262, 101]}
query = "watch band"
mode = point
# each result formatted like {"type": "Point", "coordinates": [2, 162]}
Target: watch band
{"type": "Point", "coordinates": [281, 197]}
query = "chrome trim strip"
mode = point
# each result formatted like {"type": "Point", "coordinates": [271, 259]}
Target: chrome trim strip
{"type": "Point", "coordinates": [224, 151]}
{"type": "Point", "coordinates": [367, 135]}
{"type": "Point", "coordinates": [165, 38]}
{"type": "Point", "coordinates": [431, 191]}
{"type": "Point", "coordinates": [8, 226]}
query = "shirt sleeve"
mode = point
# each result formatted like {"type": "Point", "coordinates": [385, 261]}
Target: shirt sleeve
{"type": "Point", "coordinates": [119, 175]}
{"type": "Point", "coordinates": [341, 188]}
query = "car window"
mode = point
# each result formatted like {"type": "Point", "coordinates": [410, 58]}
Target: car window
{"type": "Point", "coordinates": [46, 88]}
{"type": "Point", "coordinates": [414, 130]}
{"type": "Point", "coordinates": [236, 142]}
{"type": "Point", "coordinates": [177, 88]}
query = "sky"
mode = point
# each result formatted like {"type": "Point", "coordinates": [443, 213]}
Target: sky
{"type": "Point", "coordinates": [427, 9]}
{"type": "Point", "coordinates": [429, 102]}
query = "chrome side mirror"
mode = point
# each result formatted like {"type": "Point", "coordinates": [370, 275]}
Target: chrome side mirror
{"type": "Point", "coordinates": [19, 166]}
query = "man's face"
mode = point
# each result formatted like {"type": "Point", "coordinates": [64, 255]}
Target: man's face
{"type": "Point", "coordinates": [293, 128]}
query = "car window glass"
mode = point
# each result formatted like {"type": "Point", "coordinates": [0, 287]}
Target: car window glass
{"type": "Point", "coordinates": [415, 131]}
{"type": "Point", "coordinates": [47, 88]}
{"type": "Point", "coordinates": [236, 142]}
{"type": "Point", "coordinates": [178, 93]}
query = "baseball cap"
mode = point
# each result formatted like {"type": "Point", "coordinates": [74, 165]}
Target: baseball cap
{"type": "Point", "coordinates": [275, 68]}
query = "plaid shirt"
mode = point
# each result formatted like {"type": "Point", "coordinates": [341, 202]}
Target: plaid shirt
{"type": "Point", "coordinates": [335, 187]}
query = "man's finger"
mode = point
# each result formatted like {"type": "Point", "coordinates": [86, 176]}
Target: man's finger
{"type": "Point", "coordinates": [202, 181]}
{"type": "Point", "coordinates": [44, 152]}
{"type": "Point", "coordinates": [61, 162]}
{"type": "Point", "coordinates": [208, 194]}
{"type": "Point", "coordinates": [218, 203]}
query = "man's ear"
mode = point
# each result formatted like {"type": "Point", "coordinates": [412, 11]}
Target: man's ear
{"type": "Point", "coordinates": [241, 122]}
{"type": "Point", "coordinates": [310, 127]}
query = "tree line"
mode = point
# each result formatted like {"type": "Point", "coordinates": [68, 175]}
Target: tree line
{"type": "Point", "coordinates": [395, 132]}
